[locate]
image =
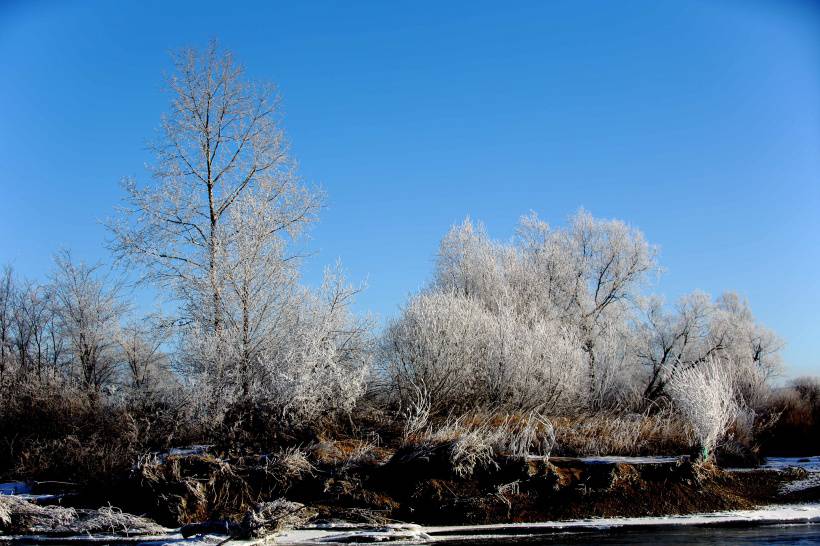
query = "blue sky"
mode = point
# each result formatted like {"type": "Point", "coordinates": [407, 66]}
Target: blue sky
{"type": "Point", "coordinates": [696, 121]}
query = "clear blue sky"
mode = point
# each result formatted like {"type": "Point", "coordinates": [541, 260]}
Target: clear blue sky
{"type": "Point", "coordinates": [698, 122]}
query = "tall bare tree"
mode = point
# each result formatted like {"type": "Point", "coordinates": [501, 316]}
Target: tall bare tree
{"type": "Point", "coordinates": [221, 147]}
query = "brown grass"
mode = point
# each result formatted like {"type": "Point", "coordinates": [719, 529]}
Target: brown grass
{"type": "Point", "coordinates": [621, 434]}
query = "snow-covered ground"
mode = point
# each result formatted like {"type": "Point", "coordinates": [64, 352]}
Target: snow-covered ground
{"type": "Point", "coordinates": [780, 464]}
{"type": "Point", "coordinates": [413, 534]}
{"type": "Point", "coordinates": [787, 514]}
{"type": "Point", "coordinates": [812, 464]}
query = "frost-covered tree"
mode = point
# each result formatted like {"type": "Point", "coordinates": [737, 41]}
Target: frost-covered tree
{"type": "Point", "coordinates": [140, 345]}
{"type": "Point", "coordinates": [315, 362]}
{"type": "Point", "coordinates": [31, 344]}
{"type": "Point", "coordinates": [666, 338]}
{"type": "Point", "coordinates": [592, 273]}
{"type": "Point", "coordinates": [221, 149]}
{"type": "Point", "coordinates": [699, 329]}
{"type": "Point", "coordinates": [7, 290]}
{"type": "Point", "coordinates": [559, 317]}
{"type": "Point", "coordinates": [321, 365]}
{"type": "Point", "coordinates": [33, 320]}
{"type": "Point", "coordinates": [88, 309]}
{"type": "Point", "coordinates": [526, 323]}
{"type": "Point", "coordinates": [218, 226]}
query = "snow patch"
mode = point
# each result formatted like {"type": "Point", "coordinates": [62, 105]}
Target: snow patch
{"type": "Point", "coordinates": [812, 464]}
{"type": "Point", "coordinates": [610, 459]}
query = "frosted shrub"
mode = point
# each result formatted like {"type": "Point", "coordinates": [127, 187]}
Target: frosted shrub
{"type": "Point", "coordinates": [704, 397]}
{"type": "Point", "coordinates": [531, 434]}
{"type": "Point", "coordinates": [316, 364]}
{"type": "Point", "coordinates": [417, 413]}
{"type": "Point", "coordinates": [438, 344]}
{"type": "Point", "coordinates": [473, 441]}
{"type": "Point", "coordinates": [321, 365]}
{"type": "Point", "coordinates": [523, 325]}
{"type": "Point", "coordinates": [465, 356]}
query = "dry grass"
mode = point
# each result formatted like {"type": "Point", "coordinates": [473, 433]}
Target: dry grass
{"type": "Point", "coordinates": [195, 487]}
{"type": "Point", "coordinates": [65, 434]}
{"type": "Point", "coordinates": [622, 434]}
{"type": "Point", "coordinates": [473, 441]}
{"type": "Point", "coordinates": [18, 516]}
{"type": "Point", "coordinates": [794, 420]}
{"type": "Point", "coordinates": [288, 466]}
{"type": "Point", "coordinates": [269, 518]}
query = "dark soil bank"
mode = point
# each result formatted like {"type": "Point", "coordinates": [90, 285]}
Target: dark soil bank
{"type": "Point", "coordinates": [424, 487]}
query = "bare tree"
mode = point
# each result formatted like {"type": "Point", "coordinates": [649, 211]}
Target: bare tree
{"type": "Point", "coordinates": [7, 291]}
{"type": "Point", "coordinates": [88, 309]}
{"type": "Point", "coordinates": [219, 226]}
{"type": "Point", "coordinates": [140, 344]}
{"type": "Point", "coordinates": [33, 321]}
{"type": "Point", "coordinates": [221, 148]}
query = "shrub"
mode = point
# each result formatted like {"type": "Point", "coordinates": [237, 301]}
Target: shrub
{"type": "Point", "coordinates": [706, 401]}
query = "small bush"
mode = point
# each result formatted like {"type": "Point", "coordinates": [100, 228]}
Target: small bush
{"type": "Point", "coordinates": [705, 398]}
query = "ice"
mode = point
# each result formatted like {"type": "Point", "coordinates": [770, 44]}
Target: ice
{"type": "Point", "coordinates": [14, 488]}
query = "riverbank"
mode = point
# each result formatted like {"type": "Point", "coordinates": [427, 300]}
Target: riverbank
{"type": "Point", "coordinates": [331, 485]}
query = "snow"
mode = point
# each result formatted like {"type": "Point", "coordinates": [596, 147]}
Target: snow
{"type": "Point", "coordinates": [781, 464]}
{"type": "Point", "coordinates": [795, 513]}
{"type": "Point", "coordinates": [385, 533]}
{"type": "Point", "coordinates": [660, 459]}
{"type": "Point", "coordinates": [812, 480]}
{"type": "Point", "coordinates": [328, 533]}
{"type": "Point", "coordinates": [617, 459]}
{"type": "Point", "coordinates": [812, 464]}
{"type": "Point", "coordinates": [174, 539]}
{"type": "Point", "coordinates": [187, 451]}
{"type": "Point", "coordinates": [333, 533]}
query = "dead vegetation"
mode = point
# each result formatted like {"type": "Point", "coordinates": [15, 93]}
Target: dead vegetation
{"type": "Point", "coordinates": [621, 434]}
{"type": "Point", "coordinates": [193, 488]}
{"type": "Point", "coordinates": [796, 431]}
{"type": "Point", "coordinates": [18, 516]}
{"type": "Point", "coordinates": [270, 518]}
